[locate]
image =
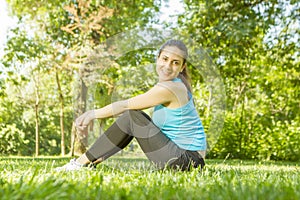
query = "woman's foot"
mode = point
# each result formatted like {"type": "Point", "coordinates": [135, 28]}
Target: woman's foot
{"type": "Point", "coordinates": [73, 165]}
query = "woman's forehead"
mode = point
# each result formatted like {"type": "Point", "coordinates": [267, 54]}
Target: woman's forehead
{"type": "Point", "coordinates": [173, 51]}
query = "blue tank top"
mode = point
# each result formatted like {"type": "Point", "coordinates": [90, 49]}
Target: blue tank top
{"type": "Point", "coordinates": [182, 125]}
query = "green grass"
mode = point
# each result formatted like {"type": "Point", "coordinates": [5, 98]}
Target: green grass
{"type": "Point", "coordinates": [134, 178]}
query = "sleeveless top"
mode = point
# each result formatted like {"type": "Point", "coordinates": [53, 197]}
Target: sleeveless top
{"type": "Point", "coordinates": [182, 125]}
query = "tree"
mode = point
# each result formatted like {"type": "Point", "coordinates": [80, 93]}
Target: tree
{"type": "Point", "coordinates": [66, 40]}
{"type": "Point", "coordinates": [236, 36]}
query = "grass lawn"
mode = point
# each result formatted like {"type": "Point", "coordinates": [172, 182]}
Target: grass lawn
{"type": "Point", "coordinates": [134, 178]}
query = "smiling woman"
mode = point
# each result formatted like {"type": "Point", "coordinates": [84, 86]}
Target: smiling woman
{"type": "Point", "coordinates": [170, 63]}
{"type": "Point", "coordinates": [174, 137]}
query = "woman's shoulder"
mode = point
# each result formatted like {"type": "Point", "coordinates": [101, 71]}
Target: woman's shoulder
{"type": "Point", "coordinates": [175, 88]}
{"type": "Point", "coordinates": [171, 86]}
{"type": "Point", "coordinates": [165, 83]}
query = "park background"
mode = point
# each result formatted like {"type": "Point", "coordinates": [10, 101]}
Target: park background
{"type": "Point", "coordinates": [46, 82]}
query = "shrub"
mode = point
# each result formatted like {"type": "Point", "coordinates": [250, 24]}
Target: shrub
{"type": "Point", "coordinates": [12, 140]}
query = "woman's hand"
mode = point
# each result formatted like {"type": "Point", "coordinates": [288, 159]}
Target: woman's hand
{"type": "Point", "coordinates": [84, 121]}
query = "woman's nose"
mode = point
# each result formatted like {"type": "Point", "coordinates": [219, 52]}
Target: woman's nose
{"type": "Point", "coordinates": [168, 65]}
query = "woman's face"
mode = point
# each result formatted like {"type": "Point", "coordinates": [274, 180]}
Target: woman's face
{"type": "Point", "coordinates": [169, 63]}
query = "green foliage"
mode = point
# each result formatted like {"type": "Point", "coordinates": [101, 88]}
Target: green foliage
{"type": "Point", "coordinates": [128, 15]}
{"type": "Point", "coordinates": [17, 110]}
{"type": "Point", "coordinates": [12, 140]}
{"type": "Point", "coordinates": [260, 70]}
{"type": "Point", "coordinates": [136, 73]}
{"type": "Point", "coordinates": [31, 59]}
{"type": "Point", "coordinates": [134, 178]}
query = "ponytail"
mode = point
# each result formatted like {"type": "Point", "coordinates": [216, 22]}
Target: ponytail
{"type": "Point", "coordinates": [186, 79]}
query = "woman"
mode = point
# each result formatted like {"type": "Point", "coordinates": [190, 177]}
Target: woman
{"type": "Point", "coordinates": [174, 137]}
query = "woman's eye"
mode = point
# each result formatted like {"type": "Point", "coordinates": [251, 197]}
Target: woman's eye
{"type": "Point", "coordinates": [176, 63]}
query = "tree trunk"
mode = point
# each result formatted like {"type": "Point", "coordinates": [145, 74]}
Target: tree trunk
{"type": "Point", "coordinates": [61, 115]}
{"type": "Point", "coordinates": [37, 100]}
{"type": "Point", "coordinates": [78, 146]}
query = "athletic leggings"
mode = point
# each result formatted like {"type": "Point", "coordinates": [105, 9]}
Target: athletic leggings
{"type": "Point", "coordinates": [158, 148]}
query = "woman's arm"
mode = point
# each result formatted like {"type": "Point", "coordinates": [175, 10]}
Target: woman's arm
{"type": "Point", "coordinates": [156, 95]}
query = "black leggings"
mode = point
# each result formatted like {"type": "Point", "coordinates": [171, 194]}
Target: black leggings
{"type": "Point", "coordinates": [157, 147]}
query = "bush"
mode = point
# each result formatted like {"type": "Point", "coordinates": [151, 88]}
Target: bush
{"type": "Point", "coordinates": [12, 140]}
{"type": "Point", "coordinates": [262, 138]}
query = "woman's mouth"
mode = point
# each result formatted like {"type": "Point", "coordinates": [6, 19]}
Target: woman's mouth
{"type": "Point", "coordinates": [166, 73]}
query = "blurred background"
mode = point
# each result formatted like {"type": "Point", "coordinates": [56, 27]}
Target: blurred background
{"type": "Point", "coordinates": [48, 75]}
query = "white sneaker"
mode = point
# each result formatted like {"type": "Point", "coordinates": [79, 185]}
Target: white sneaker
{"type": "Point", "coordinates": [73, 165]}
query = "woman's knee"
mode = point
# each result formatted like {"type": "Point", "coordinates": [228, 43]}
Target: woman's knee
{"type": "Point", "coordinates": [129, 113]}
{"type": "Point", "coordinates": [137, 116]}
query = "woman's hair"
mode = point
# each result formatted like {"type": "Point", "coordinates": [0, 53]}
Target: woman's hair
{"type": "Point", "coordinates": [184, 75]}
